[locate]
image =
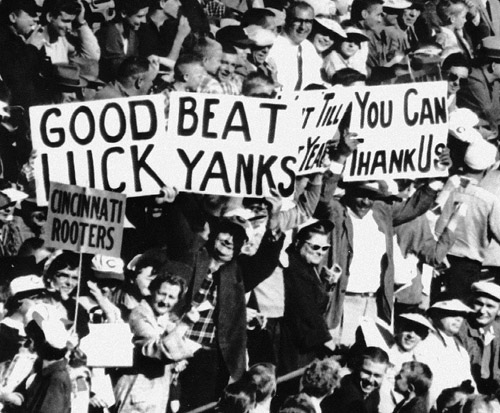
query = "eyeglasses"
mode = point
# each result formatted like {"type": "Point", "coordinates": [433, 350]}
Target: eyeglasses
{"type": "Point", "coordinates": [452, 77]}
{"type": "Point", "coordinates": [302, 21]}
{"type": "Point", "coordinates": [316, 247]}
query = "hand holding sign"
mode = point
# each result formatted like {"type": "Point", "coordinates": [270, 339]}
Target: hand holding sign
{"type": "Point", "coordinates": [347, 145]}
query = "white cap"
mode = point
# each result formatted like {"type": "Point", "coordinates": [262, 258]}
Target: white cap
{"type": "Point", "coordinates": [26, 284]}
{"type": "Point", "coordinates": [332, 26]}
{"type": "Point", "coordinates": [480, 155]}
{"type": "Point", "coordinates": [461, 125]}
{"type": "Point", "coordinates": [259, 35]}
{"type": "Point", "coordinates": [454, 306]}
{"type": "Point", "coordinates": [397, 4]}
{"type": "Point", "coordinates": [488, 288]}
{"type": "Point", "coordinates": [108, 267]}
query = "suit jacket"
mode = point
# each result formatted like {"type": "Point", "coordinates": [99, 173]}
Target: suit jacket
{"type": "Point", "coordinates": [305, 302]}
{"type": "Point", "coordinates": [235, 278]}
{"type": "Point", "coordinates": [349, 398]}
{"type": "Point", "coordinates": [387, 217]}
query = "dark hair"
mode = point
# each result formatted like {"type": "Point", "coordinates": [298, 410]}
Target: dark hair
{"type": "Point", "coordinates": [131, 67]}
{"type": "Point", "coordinates": [169, 279]}
{"type": "Point", "coordinates": [255, 79]}
{"type": "Point", "coordinates": [296, 5]}
{"type": "Point", "coordinates": [455, 60]}
{"type": "Point", "coordinates": [375, 354]}
{"type": "Point", "coordinates": [419, 375]}
{"type": "Point", "coordinates": [29, 246]}
{"type": "Point", "coordinates": [358, 6]}
{"type": "Point", "coordinates": [151, 258]}
{"type": "Point", "coordinates": [130, 7]}
{"type": "Point", "coordinates": [238, 397]}
{"type": "Point", "coordinates": [256, 16]}
{"type": "Point", "coordinates": [263, 375]}
{"type": "Point", "coordinates": [300, 403]}
{"type": "Point", "coordinates": [67, 259]}
{"type": "Point", "coordinates": [305, 233]}
{"type": "Point", "coordinates": [56, 7]}
{"type": "Point", "coordinates": [321, 377]}
{"type": "Point", "coordinates": [346, 77]}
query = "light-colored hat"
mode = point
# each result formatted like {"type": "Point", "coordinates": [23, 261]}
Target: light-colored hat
{"type": "Point", "coordinates": [242, 216]}
{"type": "Point", "coordinates": [480, 155]}
{"type": "Point", "coordinates": [490, 48]}
{"type": "Point", "coordinates": [356, 35]}
{"type": "Point", "coordinates": [325, 7]}
{"type": "Point", "coordinates": [108, 268]}
{"type": "Point", "coordinates": [486, 288]}
{"type": "Point", "coordinates": [26, 285]}
{"type": "Point", "coordinates": [461, 125]}
{"type": "Point", "coordinates": [453, 306]}
{"type": "Point", "coordinates": [418, 319]}
{"type": "Point", "coordinates": [331, 26]}
{"type": "Point", "coordinates": [260, 36]}
{"type": "Point", "coordinates": [397, 4]}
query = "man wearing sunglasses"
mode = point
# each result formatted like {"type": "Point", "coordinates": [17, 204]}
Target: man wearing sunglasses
{"type": "Point", "coordinates": [482, 93]}
{"type": "Point", "coordinates": [455, 69]}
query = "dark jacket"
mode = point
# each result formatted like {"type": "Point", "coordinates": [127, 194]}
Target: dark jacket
{"type": "Point", "coordinates": [235, 278]}
{"type": "Point", "coordinates": [349, 398]}
{"type": "Point", "coordinates": [473, 343]}
{"type": "Point", "coordinates": [305, 302]}
{"type": "Point", "coordinates": [387, 216]}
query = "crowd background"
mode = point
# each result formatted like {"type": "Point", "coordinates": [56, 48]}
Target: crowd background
{"type": "Point", "coordinates": [379, 296]}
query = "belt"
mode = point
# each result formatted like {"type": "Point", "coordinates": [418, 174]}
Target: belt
{"type": "Point", "coordinates": [350, 294]}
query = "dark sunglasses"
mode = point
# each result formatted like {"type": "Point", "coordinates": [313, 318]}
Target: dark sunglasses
{"type": "Point", "coordinates": [302, 21]}
{"type": "Point", "coordinates": [453, 78]}
{"type": "Point", "coordinates": [316, 247]}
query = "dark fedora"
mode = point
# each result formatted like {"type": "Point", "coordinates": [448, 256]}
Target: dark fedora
{"type": "Point", "coordinates": [68, 75]}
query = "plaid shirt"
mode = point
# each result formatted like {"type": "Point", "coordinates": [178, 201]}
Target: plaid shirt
{"type": "Point", "coordinates": [210, 84]}
{"type": "Point", "coordinates": [203, 331]}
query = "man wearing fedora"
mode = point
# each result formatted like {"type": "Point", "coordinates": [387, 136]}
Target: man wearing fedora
{"type": "Point", "coordinates": [480, 335]}
{"type": "Point", "coordinates": [481, 94]}
{"type": "Point", "coordinates": [362, 245]}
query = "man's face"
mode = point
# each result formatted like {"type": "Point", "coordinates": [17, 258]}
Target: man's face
{"type": "Point", "coordinates": [223, 247]}
{"type": "Point", "coordinates": [314, 249]}
{"type": "Point", "coordinates": [262, 90]}
{"type": "Point", "coordinates": [65, 281]}
{"type": "Point", "coordinates": [135, 21]}
{"type": "Point", "coordinates": [486, 310]}
{"type": "Point", "coordinates": [456, 76]}
{"type": "Point", "coordinates": [143, 279]}
{"type": "Point", "coordinates": [300, 25]}
{"type": "Point", "coordinates": [410, 16]}
{"type": "Point", "coordinates": [213, 61]}
{"type": "Point", "coordinates": [360, 203]}
{"type": "Point", "coordinates": [260, 53]}
{"type": "Point", "coordinates": [165, 299]}
{"type": "Point", "coordinates": [227, 66]}
{"type": "Point", "coordinates": [450, 325]}
{"type": "Point", "coordinates": [371, 375]}
{"type": "Point", "coordinates": [407, 339]}
{"type": "Point", "coordinates": [373, 17]}
{"type": "Point", "coordinates": [193, 75]}
{"type": "Point", "coordinates": [401, 383]}
{"type": "Point", "coordinates": [23, 22]}
{"type": "Point", "coordinates": [171, 8]}
{"type": "Point", "coordinates": [348, 49]}
{"type": "Point", "coordinates": [390, 16]}
{"type": "Point", "coordinates": [61, 24]}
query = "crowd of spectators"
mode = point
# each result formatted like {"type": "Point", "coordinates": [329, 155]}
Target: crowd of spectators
{"type": "Point", "coordinates": [380, 296]}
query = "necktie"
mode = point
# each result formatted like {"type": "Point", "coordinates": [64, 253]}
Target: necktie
{"type": "Point", "coordinates": [298, 86]}
{"type": "Point", "coordinates": [488, 9]}
{"type": "Point", "coordinates": [485, 361]}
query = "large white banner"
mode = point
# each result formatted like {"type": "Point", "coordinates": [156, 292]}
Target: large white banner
{"type": "Point", "coordinates": [115, 145]}
{"type": "Point", "coordinates": [404, 129]}
{"type": "Point", "coordinates": [232, 145]}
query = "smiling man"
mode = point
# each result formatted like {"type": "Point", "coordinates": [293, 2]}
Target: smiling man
{"type": "Point", "coordinates": [359, 391]}
{"type": "Point", "coordinates": [480, 335]}
{"type": "Point", "coordinates": [297, 62]}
